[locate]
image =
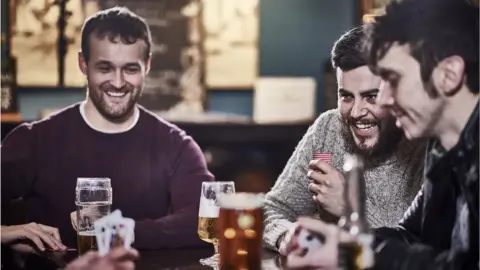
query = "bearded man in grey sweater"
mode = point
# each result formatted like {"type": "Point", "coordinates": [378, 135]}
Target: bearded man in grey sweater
{"type": "Point", "coordinates": [394, 165]}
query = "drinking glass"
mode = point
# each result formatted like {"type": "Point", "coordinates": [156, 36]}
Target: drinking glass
{"type": "Point", "coordinates": [208, 215]}
{"type": "Point", "coordinates": [240, 230]}
{"type": "Point", "coordinates": [93, 198]}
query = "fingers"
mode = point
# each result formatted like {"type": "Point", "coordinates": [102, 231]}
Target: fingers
{"type": "Point", "coordinates": [286, 243]}
{"type": "Point", "coordinates": [53, 231]}
{"type": "Point", "coordinates": [321, 166]}
{"type": "Point", "coordinates": [122, 258]}
{"type": "Point", "coordinates": [122, 254]}
{"type": "Point", "coordinates": [319, 178]}
{"type": "Point", "coordinates": [73, 220]}
{"type": "Point", "coordinates": [317, 189]}
{"type": "Point", "coordinates": [297, 259]}
{"type": "Point", "coordinates": [129, 265]}
{"type": "Point", "coordinates": [84, 261]}
{"type": "Point", "coordinates": [35, 239]}
{"type": "Point", "coordinates": [45, 236]}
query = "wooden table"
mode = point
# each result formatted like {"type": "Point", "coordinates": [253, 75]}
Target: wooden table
{"type": "Point", "coordinates": [150, 260]}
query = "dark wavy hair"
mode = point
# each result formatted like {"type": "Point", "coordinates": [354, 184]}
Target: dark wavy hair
{"type": "Point", "coordinates": [347, 52]}
{"type": "Point", "coordinates": [113, 23]}
{"type": "Point", "coordinates": [433, 29]}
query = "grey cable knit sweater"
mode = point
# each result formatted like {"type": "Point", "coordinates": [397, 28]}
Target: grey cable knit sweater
{"type": "Point", "coordinates": [391, 183]}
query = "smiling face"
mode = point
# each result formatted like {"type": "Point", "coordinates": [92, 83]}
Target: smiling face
{"type": "Point", "coordinates": [116, 76]}
{"type": "Point", "coordinates": [369, 125]}
{"type": "Point", "coordinates": [406, 95]}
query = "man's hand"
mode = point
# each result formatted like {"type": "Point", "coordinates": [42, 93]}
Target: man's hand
{"type": "Point", "coordinates": [117, 259]}
{"type": "Point", "coordinates": [326, 257]}
{"type": "Point", "coordinates": [327, 185]}
{"type": "Point", "coordinates": [38, 234]}
{"type": "Point", "coordinates": [286, 240]}
{"type": "Point", "coordinates": [73, 220]}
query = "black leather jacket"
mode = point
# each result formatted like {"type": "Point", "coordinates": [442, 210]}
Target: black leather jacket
{"type": "Point", "coordinates": [425, 238]}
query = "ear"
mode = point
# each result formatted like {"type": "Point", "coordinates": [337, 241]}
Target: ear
{"type": "Point", "coordinates": [449, 75]}
{"type": "Point", "coordinates": [82, 63]}
{"type": "Point", "coordinates": [147, 63]}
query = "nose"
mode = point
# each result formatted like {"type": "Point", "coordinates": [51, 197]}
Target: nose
{"type": "Point", "coordinates": [118, 81]}
{"type": "Point", "coordinates": [385, 97]}
{"type": "Point", "coordinates": [358, 110]}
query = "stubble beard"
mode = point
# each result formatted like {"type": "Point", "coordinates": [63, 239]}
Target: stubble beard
{"type": "Point", "coordinates": [113, 114]}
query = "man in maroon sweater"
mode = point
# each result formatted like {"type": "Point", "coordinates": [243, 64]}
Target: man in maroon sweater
{"type": "Point", "coordinates": [155, 168]}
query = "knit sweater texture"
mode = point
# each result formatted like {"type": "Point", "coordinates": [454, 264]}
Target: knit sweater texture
{"type": "Point", "coordinates": [391, 182]}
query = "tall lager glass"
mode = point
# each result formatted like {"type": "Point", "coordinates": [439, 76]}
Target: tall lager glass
{"type": "Point", "coordinates": [93, 198]}
{"type": "Point", "coordinates": [208, 215]}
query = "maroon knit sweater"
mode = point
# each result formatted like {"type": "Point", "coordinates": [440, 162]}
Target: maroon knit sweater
{"type": "Point", "coordinates": [155, 168]}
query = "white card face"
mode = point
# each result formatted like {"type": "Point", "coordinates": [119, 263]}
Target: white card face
{"type": "Point", "coordinates": [113, 221]}
{"type": "Point", "coordinates": [103, 235]}
{"type": "Point", "coordinates": [115, 214]}
{"type": "Point", "coordinates": [126, 231]}
{"type": "Point", "coordinates": [308, 240]}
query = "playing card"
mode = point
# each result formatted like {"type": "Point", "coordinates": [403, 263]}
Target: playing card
{"type": "Point", "coordinates": [307, 240]}
{"type": "Point", "coordinates": [102, 235]}
{"type": "Point", "coordinates": [126, 231]}
{"type": "Point", "coordinates": [114, 230]}
{"type": "Point", "coordinates": [114, 224]}
{"type": "Point", "coordinates": [327, 157]}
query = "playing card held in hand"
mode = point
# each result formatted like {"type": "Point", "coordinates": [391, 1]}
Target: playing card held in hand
{"type": "Point", "coordinates": [114, 230]}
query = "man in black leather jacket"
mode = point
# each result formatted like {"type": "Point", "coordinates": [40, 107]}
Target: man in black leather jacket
{"type": "Point", "coordinates": [427, 53]}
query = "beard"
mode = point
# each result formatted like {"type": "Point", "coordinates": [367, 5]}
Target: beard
{"type": "Point", "coordinates": [388, 138]}
{"type": "Point", "coordinates": [119, 112]}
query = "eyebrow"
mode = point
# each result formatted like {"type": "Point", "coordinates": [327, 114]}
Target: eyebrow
{"type": "Point", "coordinates": [105, 62]}
{"type": "Point", "coordinates": [387, 72]}
{"type": "Point", "coordinates": [362, 93]}
{"type": "Point", "coordinates": [102, 62]}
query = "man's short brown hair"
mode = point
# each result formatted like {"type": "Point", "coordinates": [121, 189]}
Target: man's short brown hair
{"type": "Point", "coordinates": [116, 23]}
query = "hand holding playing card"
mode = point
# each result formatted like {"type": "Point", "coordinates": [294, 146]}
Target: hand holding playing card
{"type": "Point", "coordinates": [114, 231]}
{"type": "Point", "coordinates": [285, 240]}
{"type": "Point", "coordinates": [327, 186]}
{"type": "Point", "coordinates": [298, 237]}
{"type": "Point", "coordinates": [324, 257]}
{"type": "Point", "coordinates": [117, 259]}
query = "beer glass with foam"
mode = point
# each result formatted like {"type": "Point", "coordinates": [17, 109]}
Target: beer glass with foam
{"type": "Point", "coordinates": [93, 198]}
{"type": "Point", "coordinates": [240, 230]}
{"type": "Point", "coordinates": [208, 215]}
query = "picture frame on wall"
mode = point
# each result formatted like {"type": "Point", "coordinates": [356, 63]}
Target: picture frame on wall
{"type": "Point", "coordinates": [174, 82]}
{"type": "Point", "coordinates": [231, 35]}
{"type": "Point", "coordinates": [34, 39]}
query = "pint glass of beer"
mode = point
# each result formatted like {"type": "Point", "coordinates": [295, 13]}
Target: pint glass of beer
{"type": "Point", "coordinates": [93, 197]}
{"type": "Point", "coordinates": [240, 231]}
{"type": "Point", "coordinates": [208, 214]}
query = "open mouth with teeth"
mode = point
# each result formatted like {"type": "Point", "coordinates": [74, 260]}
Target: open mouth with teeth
{"type": "Point", "coordinates": [364, 129]}
{"type": "Point", "coordinates": [116, 94]}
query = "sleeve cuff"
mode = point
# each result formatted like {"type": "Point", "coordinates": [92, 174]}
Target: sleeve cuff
{"type": "Point", "coordinates": [274, 231]}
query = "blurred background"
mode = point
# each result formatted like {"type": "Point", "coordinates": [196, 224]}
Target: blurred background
{"type": "Point", "coordinates": [245, 78]}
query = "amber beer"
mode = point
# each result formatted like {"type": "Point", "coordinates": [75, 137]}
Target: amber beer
{"type": "Point", "coordinates": [93, 199]}
{"type": "Point", "coordinates": [240, 231]}
{"type": "Point", "coordinates": [206, 229]}
{"type": "Point", "coordinates": [85, 242]}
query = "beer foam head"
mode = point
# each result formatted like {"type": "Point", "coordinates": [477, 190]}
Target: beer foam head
{"type": "Point", "coordinates": [241, 200]}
